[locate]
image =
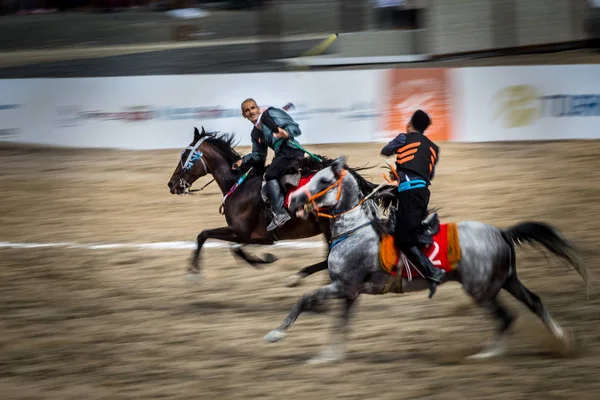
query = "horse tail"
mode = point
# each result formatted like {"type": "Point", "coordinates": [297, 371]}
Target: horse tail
{"type": "Point", "coordinates": [549, 237]}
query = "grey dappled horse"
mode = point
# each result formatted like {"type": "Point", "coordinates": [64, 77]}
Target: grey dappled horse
{"type": "Point", "coordinates": [487, 264]}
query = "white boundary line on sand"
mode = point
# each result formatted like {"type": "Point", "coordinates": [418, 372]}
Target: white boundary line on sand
{"type": "Point", "coordinates": [152, 246]}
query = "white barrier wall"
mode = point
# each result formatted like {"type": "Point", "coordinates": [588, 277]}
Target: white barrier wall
{"type": "Point", "coordinates": [150, 112]}
{"type": "Point", "coordinates": [527, 103]}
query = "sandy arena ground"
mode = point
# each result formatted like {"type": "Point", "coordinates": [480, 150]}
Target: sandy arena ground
{"type": "Point", "coordinates": [124, 323]}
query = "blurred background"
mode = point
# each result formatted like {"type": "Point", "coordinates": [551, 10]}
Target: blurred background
{"type": "Point", "coordinates": [98, 98]}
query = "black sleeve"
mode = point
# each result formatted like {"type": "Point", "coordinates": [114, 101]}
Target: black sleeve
{"type": "Point", "coordinates": [268, 121]}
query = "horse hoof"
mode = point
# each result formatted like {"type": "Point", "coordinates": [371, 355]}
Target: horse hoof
{"type": "Point", "coordinates": [293, 280]}
{"type": "Point", "coordinates": [567, 343]}
{"type": "Point", "coordinates": [193, 277]}
{"type": "Point", "coordinates": [495, 350]}
{"type": "Point", "coordinates": [326, 357]}
{"type": "Point", "coordinates": [483, 355]}
{"type": "Point", "coordinates": [270, 258]}
{"type": "Point", "coordinates": [274, 336]}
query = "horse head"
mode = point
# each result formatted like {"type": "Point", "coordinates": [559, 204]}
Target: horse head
{"type": "Point", "coordinates": [334, 188]}
{"type": "Point", "coordinates": [191, 165]}
{"type": "Point", "coordinates": [206, 154]}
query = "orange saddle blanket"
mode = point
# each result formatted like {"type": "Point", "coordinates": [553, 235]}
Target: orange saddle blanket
{"type": "Point", "coordinates": [444, 253]}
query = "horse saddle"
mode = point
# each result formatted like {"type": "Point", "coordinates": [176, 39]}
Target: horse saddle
{"type": "Point", "coordinates": [431, 226]}
{"type": "Point", "coordinates": [287, 183]}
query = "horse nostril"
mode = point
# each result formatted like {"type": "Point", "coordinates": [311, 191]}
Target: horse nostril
{"type": "Point", "coordinates": [170, 184]}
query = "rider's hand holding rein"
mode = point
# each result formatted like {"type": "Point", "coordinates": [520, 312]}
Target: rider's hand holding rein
{"type": "Point", "coordinates": [236, 165]}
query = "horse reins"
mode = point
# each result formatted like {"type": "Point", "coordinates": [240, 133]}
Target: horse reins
{"type": "Point", "coordinates": [343, 236]}
{"type": "Point", "coordinates": [338, 183]}
{"type": "Point", "coordinates": [202, 188]}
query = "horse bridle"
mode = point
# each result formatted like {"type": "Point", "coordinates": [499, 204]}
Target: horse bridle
{"type": "Point", "coordinates": [311, 198]}
{"type": "Point", "coordinates": [195, 155]}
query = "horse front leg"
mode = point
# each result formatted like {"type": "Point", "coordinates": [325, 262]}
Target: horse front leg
{"type": "Point", "coordinates": [254, 261]}
{"type": "Point", "coordinates": [336, 348]}
{"type": "Point", "coordinates": [307, 302]}
{"type": "Point", "coordinates": [225, 233]}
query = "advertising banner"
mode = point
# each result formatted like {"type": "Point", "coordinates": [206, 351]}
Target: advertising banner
{"type": "Point", "coordinates": [407, 90]}
{"type": "Point", "coordinates": [149, 112]}
{"type": "Point", "coordinates": [355, 106]}
{"type": "Point", "coordinates": [527, 103]}
{"type": "Point", "coordinates": [14, 106]}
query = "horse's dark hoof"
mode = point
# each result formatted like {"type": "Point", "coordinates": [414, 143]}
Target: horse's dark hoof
{"type": "Point", "coordinates": [270, 258]}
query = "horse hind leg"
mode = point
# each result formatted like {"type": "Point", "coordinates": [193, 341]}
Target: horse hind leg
{"type": "Point", "coordinates": [498, 345]}
{"type": "Point", "coordinates": [295, 280]}
{"type": "Point", "coordinates": [516, 288]}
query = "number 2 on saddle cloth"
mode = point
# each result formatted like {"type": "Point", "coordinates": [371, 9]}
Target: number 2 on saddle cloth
{"type": "Point", "coordinates": [444, 253]}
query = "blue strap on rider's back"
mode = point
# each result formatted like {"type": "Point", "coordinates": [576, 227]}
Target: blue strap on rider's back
{"type": "Point", "coordinates": [408, 185]}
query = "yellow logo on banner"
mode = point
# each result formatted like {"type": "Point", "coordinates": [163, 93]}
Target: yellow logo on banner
{"type": "Point", "coordinates": [517, 105]}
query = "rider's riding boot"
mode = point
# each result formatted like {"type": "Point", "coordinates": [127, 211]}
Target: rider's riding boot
{"type": "Point", "coordinates": [281, 215]}
{"type": "Point", "coordinates": [432, 274]}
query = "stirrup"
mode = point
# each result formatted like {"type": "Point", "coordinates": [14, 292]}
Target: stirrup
{"type": "Point", "coordinates": [279, 220]}
{"type": "Point", "coordinates": [438, 274]}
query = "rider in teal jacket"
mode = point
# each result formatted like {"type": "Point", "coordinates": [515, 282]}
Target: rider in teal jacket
{"type": "Point", "coordinates": [274, 129]}
{"type": "Point", "coordinates": [263, 138]}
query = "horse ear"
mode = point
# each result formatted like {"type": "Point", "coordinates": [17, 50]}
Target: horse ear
{"type": "Point", "coordinates": [196, 134]}
{"type": "Point", "coordinates": [338, 165]}
{"type": "Point", "coordinates": [203, 132]}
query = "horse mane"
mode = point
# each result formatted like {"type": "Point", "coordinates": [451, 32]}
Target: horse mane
{"type": "Point", "coordinates": [384, 198]}
{"type": "Point", "coordinates": [224, 142]}
{"type": "Point", "coordinates": [311, 165]}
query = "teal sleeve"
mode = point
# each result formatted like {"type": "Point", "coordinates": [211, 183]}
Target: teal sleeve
{"type": "Point", "coordinates": [258, 154]}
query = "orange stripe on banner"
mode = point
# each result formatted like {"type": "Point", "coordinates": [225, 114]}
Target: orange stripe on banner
{"type": "Point", "coordinates": [406, 153]}
{"type": "Point", "coordinates": [403, 160]}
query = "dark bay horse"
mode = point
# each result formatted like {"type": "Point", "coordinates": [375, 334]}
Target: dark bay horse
{"type": "Point", "coordinates": [487, 263]}
{"type": "Point", "coordinates": [245, 210]}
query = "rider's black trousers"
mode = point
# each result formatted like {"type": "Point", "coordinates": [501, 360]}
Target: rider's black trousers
{"type": "Point", "coordinates": [286, 160]}
{"type": "Point", "coordinates": [412, 210]}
